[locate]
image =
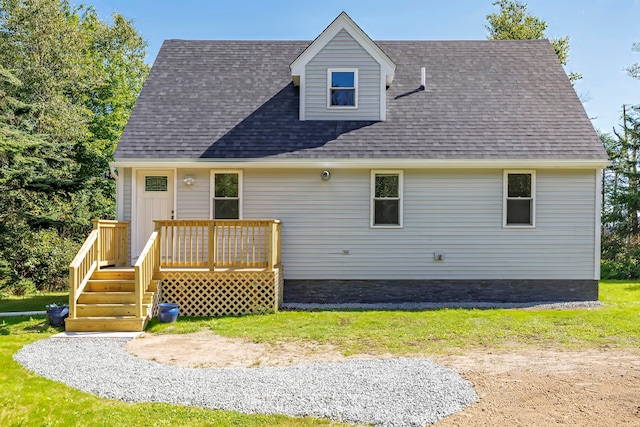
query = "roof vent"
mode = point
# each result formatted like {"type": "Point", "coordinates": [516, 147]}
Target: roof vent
{"type": "Point", "coordinates": [423, 78]}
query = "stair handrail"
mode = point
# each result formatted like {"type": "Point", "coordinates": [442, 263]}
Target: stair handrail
{"type": "Point", "coordinates": [107, 244]}
{"type": "Point", "coordinates": [145, 268]}
{"type": "Point", "coordinates": [81, 268]}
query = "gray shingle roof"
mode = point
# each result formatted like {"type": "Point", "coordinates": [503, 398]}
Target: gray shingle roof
{"type": "Point", "coordinates": [483, 100]}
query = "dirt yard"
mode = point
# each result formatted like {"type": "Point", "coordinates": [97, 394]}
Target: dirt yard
{"type": "Point", "coordinates": [542, 388]}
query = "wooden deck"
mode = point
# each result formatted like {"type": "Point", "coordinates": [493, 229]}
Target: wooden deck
{"type": "Point", "coordinates": [241, 274]}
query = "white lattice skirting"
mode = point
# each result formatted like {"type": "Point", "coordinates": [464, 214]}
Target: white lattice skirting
{"type": "Point", "coordinates": [220, 293]}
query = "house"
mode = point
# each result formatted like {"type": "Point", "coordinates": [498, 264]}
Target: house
{"type": "Point", "coordinates": [391, 170]}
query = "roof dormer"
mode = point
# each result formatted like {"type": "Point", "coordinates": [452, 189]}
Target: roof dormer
{"type": "Point", "coordinates": [343, 75]}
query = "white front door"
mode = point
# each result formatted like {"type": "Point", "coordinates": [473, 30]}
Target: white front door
{"type": "Point", "coordinates": [154, 200]}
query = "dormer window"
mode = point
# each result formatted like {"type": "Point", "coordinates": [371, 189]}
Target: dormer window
{"type": "Point", "coordinates": [342, 88]}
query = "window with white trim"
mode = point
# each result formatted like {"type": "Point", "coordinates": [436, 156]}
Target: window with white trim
{"type": "Point", "coordinates": [386, 198]}
{"type": "Point", "coordinates": [519, 198]}
{"type": "Point", "coordinates": [342, 88]}
{"type": "Point", "coordinates": [226, 195]}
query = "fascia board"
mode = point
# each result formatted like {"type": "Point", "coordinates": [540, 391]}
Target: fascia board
{"type": "Point", "coordinates": [362, 163]}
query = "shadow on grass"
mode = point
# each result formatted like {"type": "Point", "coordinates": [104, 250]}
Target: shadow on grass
{"type": "Point", "coordinates": [26, 325]}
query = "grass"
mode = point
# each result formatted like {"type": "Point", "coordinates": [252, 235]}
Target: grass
{"type": "Point", "coordinates": [27, 400]}
{"type": "Point", "coordinates": [35, 302]}
{"type": "Point", "coordinates": [414, 333]}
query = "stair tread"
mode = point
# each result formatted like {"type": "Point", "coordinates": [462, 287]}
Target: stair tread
{"type": "Point", "coordinates": [108, 304]}
{"type": "Point", "coordinates": [112, 292]}
{"type": "Point", "coordinates": [112, 280]}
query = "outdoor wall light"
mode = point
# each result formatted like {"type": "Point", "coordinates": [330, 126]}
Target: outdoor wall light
{"type": "Point", "coordinates": [325, 175]}
{"type": "Point", "coordinates": [189, 180]}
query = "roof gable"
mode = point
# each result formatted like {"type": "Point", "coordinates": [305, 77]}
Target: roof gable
{"type": "Point", "coordinates": [343, 22]}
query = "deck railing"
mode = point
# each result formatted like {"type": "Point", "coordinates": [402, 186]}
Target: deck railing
{"type": "Point", "coordinates": [219, 243]}
{"type": "Point", "coordinates": [147, 265]}
{"type": "Point", "coordinates": [107, 244]}
{"type": "Point", "coordinates": [113, 239]}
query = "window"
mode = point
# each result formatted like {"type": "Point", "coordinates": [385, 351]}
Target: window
{"type": "Point", "coordinates": [226, 191]}
{"type": "Point", "coordinates": [156, 183]}
{"type": "Point", "coordinates": [386, 201]}
{"type": "Point", "coordinates": [519, 200]}
{"type": "Point", "coordinates": [342, 88]}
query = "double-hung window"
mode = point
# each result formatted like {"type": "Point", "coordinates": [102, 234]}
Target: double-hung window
{"type": "Point", "coordinates": [226, 194]}
{"type": "Point", "coordinates": [386, 199]}
{"type": "Point", "coordinates": [519, 198]}
{"type": "Point", "coordinates": [342, 88]}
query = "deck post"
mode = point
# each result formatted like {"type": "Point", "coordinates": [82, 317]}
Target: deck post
{"type": "Point", "coordinates": [270, 247]}
{"type": "Point", "coordinates": [157, 252]}
{"type": "Point", "coordinates": [72, 292]}
{"type": "Point", "coordinates": [211, 252]}
{"type": "Point", "coordinates": [96, 226]}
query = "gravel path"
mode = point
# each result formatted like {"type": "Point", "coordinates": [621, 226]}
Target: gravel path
{"type": "Point", "coordinates": [389, 392]}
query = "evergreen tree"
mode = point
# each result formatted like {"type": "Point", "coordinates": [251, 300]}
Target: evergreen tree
{"type": "Point", "coordinates": [513, 22]}
{"type": "Point", "coordinates": [68, 82]}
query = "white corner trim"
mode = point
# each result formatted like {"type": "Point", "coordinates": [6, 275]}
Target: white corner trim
{"type": "Point", "coordinates": [174, 211]}
{"type": "Point", "coordinates": [303, 97]}
{"type": "Point", "coordinates": [134, 215]}
{"type": "Point", "coordinates": [383, 97]}
{"type": "Point", "coordinates": [120, 195]}
{"type": "Point", "coordinates": [598, 220]}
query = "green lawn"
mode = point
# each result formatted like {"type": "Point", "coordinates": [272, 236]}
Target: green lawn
{"type": "Point", "coordinates": [36, 302]}
{"type": "Point", "coordinates": [27, 400]}
{"type": "Point", "coordinates": [413, 333]}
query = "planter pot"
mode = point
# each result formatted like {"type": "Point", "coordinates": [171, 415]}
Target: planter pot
{"type": "Point", "coordinates": [57, 315]}
{"type": "Point", "coordinates": [167, 312]}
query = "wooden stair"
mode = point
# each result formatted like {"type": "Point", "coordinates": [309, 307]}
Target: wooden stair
{"type": "Point", "coordinates": [107, 304]}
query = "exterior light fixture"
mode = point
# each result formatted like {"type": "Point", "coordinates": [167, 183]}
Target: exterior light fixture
{"type": "Point", "coordinates": [325, 175]}
{"type": "Point", "coordinates": [189, 180]}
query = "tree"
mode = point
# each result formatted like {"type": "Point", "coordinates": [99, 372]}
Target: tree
{"type": "Point", "coordinates": [621, 207]}
{"type": "Point", "coordinates": [621, 194]}
{"type": "Point", "coordinates": [68, 82]}
{"type": "Point", "coordinates": [634, 70]}
{"type": "Point", "coordinates": [513, 22]}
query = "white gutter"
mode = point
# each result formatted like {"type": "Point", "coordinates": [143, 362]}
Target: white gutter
{"type": "Point", "coordinates": [360, 163]}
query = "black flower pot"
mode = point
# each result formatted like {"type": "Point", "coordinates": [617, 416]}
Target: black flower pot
{"type": "Point", "coordinates": [57, 315]}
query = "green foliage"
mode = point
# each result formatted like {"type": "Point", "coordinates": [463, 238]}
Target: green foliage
{"type": "Point", "coordinates": [621, 195]}
{"type": "Point", "coordinates": [68, 82]}
{"type": "Point", "coordinates": [513, 22]}
{"type": "Point", "coordinates": [24, 287]}
{"type": "Point", "coordinates": [634, 70]}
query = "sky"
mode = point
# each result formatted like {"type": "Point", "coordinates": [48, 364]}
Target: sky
{"type": "Point", "coordinates": [602, 31]}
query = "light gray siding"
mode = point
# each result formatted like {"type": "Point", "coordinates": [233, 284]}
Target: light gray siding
{"type": "Point", "coordinates": [192, 201]}
{"type": "Point", "coordinates": [458, 212]}
{"type": "Point", "coordinates": [342, 52]}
